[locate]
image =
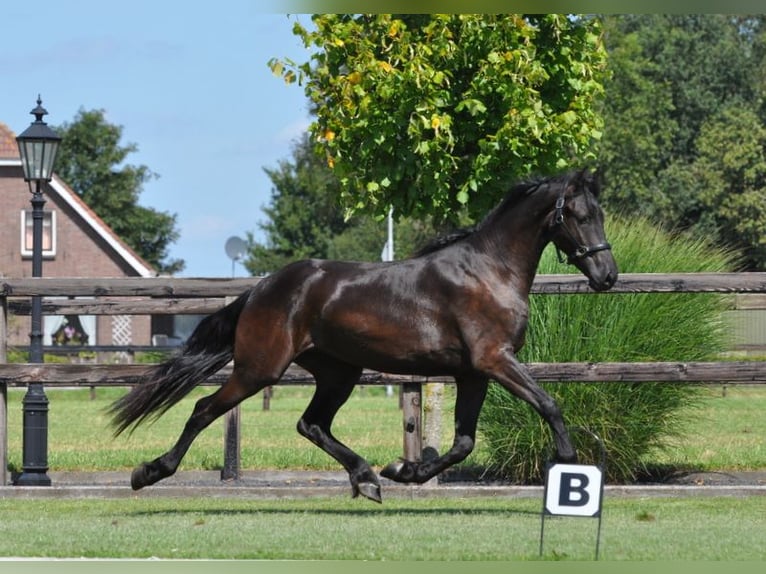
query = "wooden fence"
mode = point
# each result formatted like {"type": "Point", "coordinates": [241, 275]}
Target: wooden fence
{"type": "Point", "coordinates": [154, 296]}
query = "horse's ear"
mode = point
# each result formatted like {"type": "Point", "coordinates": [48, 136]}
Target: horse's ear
{"type": "Point", "coordinates": [588, 179]}
{"type": "Point", "coordinates": [599, 177]}
{"type": "Point", "coordinates": [579, 180]}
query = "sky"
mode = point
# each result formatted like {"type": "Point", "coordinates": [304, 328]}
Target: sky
{"type": "Point", "coordinates": [190, 86]}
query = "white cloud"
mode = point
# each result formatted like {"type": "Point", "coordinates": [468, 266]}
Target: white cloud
{"type": "Point", "coordinates": [292, 131]}
{"type": "Point", "coordinates": [207, 227]}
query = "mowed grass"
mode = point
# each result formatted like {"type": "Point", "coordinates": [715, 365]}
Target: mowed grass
{"type": "Point", "coordinates": [81, 438]}
{"type": "Point", "coordinates": [727, 528]}
{"type": "Point", "coordinates": [726, 431]}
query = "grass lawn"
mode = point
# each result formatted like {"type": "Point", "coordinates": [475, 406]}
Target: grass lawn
{"type": "Point", "coordinates": [80, 436]}
{"type": "Point", "coordinates": [727, 528]}
{"type": "Point", "coordinates": [726, 432]}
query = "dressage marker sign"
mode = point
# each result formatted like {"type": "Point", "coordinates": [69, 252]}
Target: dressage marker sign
{"type": "Point", "coordinates": [573, 490]}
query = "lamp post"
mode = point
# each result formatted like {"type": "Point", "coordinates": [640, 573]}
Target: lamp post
{"type": "Point", "coordinates": [38, 145]}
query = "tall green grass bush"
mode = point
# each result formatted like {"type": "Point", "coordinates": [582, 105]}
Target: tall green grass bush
{"type": "Point", "coordinates": [631, 419]}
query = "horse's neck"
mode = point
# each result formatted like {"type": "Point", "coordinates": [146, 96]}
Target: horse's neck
{"type": "Point", "coordinates": [518, 237]}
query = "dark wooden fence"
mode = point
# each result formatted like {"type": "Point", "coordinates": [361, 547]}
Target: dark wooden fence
{"type": "Point", "coordinates": [153, 296]}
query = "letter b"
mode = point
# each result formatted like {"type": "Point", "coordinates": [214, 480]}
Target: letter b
{"type": "Point", "coordinates": [573, 489]}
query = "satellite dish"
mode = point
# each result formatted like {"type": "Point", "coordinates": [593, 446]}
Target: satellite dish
{"type": "Point", "coordinates": [235, 247]}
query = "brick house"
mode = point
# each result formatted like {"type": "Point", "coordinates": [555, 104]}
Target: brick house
{"type": "Point", "coordinates": [76, 243]}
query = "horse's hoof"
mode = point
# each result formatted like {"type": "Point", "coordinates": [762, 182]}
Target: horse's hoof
{"type": "Point", "coordinates": [398, 471]}
{"type": "Point", "coordinates": [429, 453]}
{"type": "Point", "coordinates": [371, 491]}
{"type": "Point", "coordinates": [567, 458]}
{"type": "Point", "coordinates": [138, 478]}
{"type": "Point", "coordinates": [392, 470]}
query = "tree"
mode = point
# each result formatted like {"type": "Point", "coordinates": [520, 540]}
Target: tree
{"type": "Point", "coordinates": [305, 219]}
{"type": "Point", "coordinates": [365, 237]}
{"type": "Point", "coordinates": [303, 214]}
{"type": "Point", "coordinates": [433, 112]}
{"type": "Point", "coordinates": [658, 153]}
{"type": "Point", "coordinates": [639, 127]}
{"type": "Point", "coordinates": [91, 161]}
{"type": "Point", "coordinates": [730, 170]}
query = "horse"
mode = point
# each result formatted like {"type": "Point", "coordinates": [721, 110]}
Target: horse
{"type": "Point", "coordinates": [458, 308]}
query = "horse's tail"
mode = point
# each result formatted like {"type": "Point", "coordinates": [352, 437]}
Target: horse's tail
{"type": "Point", "coordinates": [207, 350]}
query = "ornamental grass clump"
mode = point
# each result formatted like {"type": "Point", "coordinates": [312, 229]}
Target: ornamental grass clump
{"type": "Point", "coordinates": [631, 419]}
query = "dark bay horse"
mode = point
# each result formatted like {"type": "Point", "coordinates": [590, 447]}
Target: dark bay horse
{"type": "Point", "coordinates": [458, 308]}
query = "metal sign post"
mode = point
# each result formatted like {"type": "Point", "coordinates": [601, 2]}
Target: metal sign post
{"type": "Point", "coordinates": [574, 490]}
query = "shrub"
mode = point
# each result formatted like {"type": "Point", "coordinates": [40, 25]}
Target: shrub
{"type": "Point", "coordinates": [631, 419]}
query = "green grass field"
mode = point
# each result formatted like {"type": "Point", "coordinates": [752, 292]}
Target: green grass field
{"type": "Point", "coordinates": [725, 432]}
{"type": "Point", "coordinates": [727, 528]}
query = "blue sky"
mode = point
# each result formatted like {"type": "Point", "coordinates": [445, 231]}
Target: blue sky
{"type": "Point", "coordinates": [190, 86]}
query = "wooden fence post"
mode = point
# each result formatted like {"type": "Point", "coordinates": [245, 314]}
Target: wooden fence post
{"type": "Point", "coordinates": [412, 415]}
{"type": "Point", "coordinates": [433, 403]}
{"type": "Point", "coordinates": [232, 435]}
{"type": "Point", "coordinates": [231, 445]}
{"type": "Point", "coordinates": [267, 392]}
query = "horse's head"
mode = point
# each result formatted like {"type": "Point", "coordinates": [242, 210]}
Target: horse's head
{"type": "Point", "coordinates": [577, 229]}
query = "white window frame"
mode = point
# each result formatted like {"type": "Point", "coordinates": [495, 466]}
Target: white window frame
{"type": "Point", "coordinates": [26, 215]}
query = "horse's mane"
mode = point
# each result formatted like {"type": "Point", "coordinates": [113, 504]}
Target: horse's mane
{"type": "Point", "coordinates": [519, 190]}
{"type": "Point", "coordinates": [445, 240]}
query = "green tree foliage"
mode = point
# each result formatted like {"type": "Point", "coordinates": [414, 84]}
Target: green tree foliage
{"type": "Point", "coordinates": [91, 161]}
{"type": "Point", "coordinates": [674, 80]}
{"type": "Point", "coordinates": [730, 169]}
{"type": "Point", "coordinates": [365, 237]}
{"type": "Point", "coordinates": [305, 219]}
{"type": "Point", "coordinates": [631, 419]}
{"type": "Point", "coordinates": [433, 112]}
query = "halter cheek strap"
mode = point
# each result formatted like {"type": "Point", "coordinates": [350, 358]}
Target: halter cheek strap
{"type": "Point", "coordinates": [581, 250]}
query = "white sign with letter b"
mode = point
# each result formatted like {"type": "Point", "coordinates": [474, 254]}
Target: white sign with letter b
{"type": "Point", "coordinates": [573, 490]}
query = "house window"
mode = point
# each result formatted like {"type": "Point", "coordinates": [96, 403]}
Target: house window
{"type": "Point", "coordinates": [69, 329]}
{"type": "Point", "coordinates": [49, 233]}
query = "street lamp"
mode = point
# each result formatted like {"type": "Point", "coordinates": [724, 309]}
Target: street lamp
{"type": "Point", "coordinates": [38, 145]}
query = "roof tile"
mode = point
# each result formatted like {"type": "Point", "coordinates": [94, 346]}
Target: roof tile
{"type": "Point", "coordinates": [8, 147]}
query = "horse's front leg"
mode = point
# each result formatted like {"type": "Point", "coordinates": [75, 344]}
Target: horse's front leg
{"type": "Point", "coordinates": [506, 369]}
{"type": "Point", "coordinates": [470, 396]}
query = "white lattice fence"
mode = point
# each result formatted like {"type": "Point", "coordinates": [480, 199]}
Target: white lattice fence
{"type": "Point", "coordinates": [122, 334]}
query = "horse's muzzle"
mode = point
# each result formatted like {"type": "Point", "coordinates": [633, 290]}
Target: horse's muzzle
{"type": "Point", "coordinates": [604, 284]}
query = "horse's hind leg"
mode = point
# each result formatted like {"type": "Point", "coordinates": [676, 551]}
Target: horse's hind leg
{"type": "Point", "coordinates": [207, 409]}
{"type": "Point", "coordinates": [334, 382]}
{"type": "Point", "coordinates": [470, 396]}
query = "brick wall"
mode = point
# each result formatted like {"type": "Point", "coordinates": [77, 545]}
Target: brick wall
{"type": "Point", "coordinates": [79, 253]}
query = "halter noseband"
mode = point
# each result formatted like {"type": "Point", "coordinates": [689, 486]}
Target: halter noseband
{"type": "Point", "coordinates": [581, 250]}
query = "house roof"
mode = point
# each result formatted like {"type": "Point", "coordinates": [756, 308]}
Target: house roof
{"type": "Point", "coordinates": [9, 155]}
{"type": "Point", "coordinates": [8, 147]}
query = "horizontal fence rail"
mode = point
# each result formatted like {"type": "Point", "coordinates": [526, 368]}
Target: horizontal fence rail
{"type": "Point", "coordinates": [201, 287]}
{"type": "Point", "coordinates": [89, 375]}
{"type": "Point", "coordinates": [155, 306]}
{"type": "Point", "coordinates": [171, 296]}
{"type": "Point", "coordinates": [168, 295]}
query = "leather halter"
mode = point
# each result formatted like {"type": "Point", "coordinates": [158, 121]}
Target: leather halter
{"type": "Point", "coordinates": [581, 250]}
